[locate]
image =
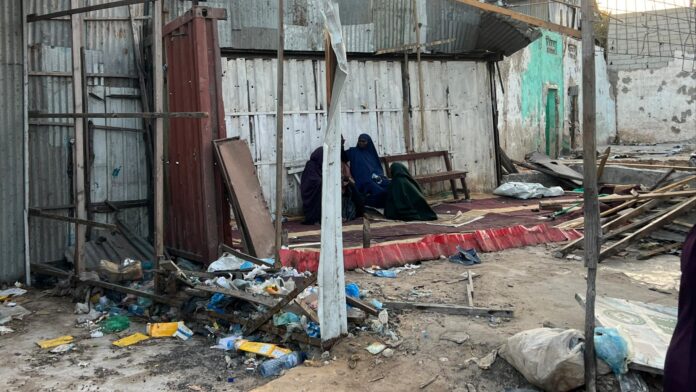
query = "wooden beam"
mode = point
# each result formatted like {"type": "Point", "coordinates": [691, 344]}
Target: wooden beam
{"type": "Point", "coordinates": [421, 87]}
{"type": "Point", "coordinates": [77, 221]}
{"type": "Point", "coordinates": [470, 288]}
{"type": "Point", "coordinates": [662, 179]}
{"type": "Point", "coordinates": [356, 303]}
{"type": "Point", "coordinates": [260, 320]}
{"type": "Point", "coordinates": [238, 294]}
{"type": "Point", "coordinates": [591, 207]}
{"type": "Point", "coordinates": [158, 155]}
{"type": "Point", "coordinates": [111, 286]}
{"type": "Point", "coordinates": [617, 198]}
{"type": "Point", "coordinates": [155, 115]}
{"type": "Point", "coordinates": [74, 10]}
{"type": "Point", "coordinates": [658, 251]}
{"type": "Point", "coordinates": [280, 168]}
{"type": "Point", "coordinates": [600, 168]}
{"type": "Point", "coordinates": [79, 146]}
{"type": "Point", "coordinates": [450, 309]}
{"type": "Point", "coordinates": [242, 255]}
{"type": "Point", "coordinates": [408, 47]}
{"type": "Point", "coordinates": [523, 18]}
{"type": "Point", "coordinates": [656, 224]}
{"type": "Point", "coordinates": [643, 165]}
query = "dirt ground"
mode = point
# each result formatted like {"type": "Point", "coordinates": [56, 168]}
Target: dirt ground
{"type": "Point", "coordinates": [537, 286]}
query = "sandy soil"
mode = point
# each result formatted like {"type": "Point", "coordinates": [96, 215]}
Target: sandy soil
{"type": "Point", "coordinates": [539, 287]}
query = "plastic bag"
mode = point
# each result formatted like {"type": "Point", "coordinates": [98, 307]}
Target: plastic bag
{"type": "Point", "coordinates": [550, 358]}
{"type": "Point", "coordinates": [527, 190]}
{"type": "Point", "coordinates": [612, 348]}
{"type": "Point", "coordinates": [115, 324]}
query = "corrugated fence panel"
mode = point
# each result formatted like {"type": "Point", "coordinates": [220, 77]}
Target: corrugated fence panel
{"type": "Point", "coordinates": [11, 142]}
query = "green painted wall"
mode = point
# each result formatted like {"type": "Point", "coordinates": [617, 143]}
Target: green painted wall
{"type": "Point", "coordinates": [544, 69]}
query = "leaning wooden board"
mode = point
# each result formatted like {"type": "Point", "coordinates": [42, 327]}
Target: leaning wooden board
{"type": "Point", "coordinates": [245, 193]}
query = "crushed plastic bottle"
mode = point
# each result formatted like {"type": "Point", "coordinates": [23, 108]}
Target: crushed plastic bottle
{"type": "Point", "coordinates": [274, 367]}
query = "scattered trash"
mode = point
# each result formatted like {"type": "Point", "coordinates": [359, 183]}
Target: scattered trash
{"type": "Point", "coordinates": [274, 367]}
{"type": "Point", "coordinates": [55, 342]}
{"type": "Point", "coordinates": [162, 330]}
{"type": "Point", "coordinates": [352, 290]}
{"type": "Point", "coordinates": [115, 324]}
{"type": "Point", "coordinates": [376, 304]}
{"type": "Point", "coordinates": [63, 348]}
{"type": "Point", "coordinates": [612, 348]}
{"type": "Point", "coordinates": [458, 337]}
{"type": "Point", "coordinates": [183, 332]}
{"type": "Point", "coordinates": [444, 359]}
{"type": "Point", "coordinates": [81, 308]}
{"type": "Point", "coordinates": [388, 353]}
{"type": "Point", "coordinates": [352, 361]}
{"type": "Point", "coordinates": [484, 362]}
{"type": "Point", "coordinates": [83, 364]}
{"type": "Point", "coordinates": [96, 334]}
{"type": "Point", "coordinates": [12, 292]}
{"type": "Point", "coordinates": [131, 340]}
{"type": "Point", "coordinates": [128, 270]}
{"type": "Point", "coordinates": [285, 318]}
{"type": "Point", "coordinates": [432, 380]}
{"type": "Point", "coordinates": [5, 330]}
{"type": "Point", "coordinates": [465, 256]}
{"type": "Point", "coordinates": [228, 262]}
{"type": "Point", "coordinates": [527, 190]}
{"type": "Point", "coordinates": [8, 313]}
{"type": "Point", "coordinates": [385, 273]}
{"type": "Point", "coordinates": [549, 358]}
{"type": "Point", "coordinates": [375, 348]}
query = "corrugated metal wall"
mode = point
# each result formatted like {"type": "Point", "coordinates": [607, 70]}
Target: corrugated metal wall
{"type": "Point", "coordinates": [11, 141]}
{"type": "Point", "coordinates": [458, 115]}
{"type": "Point", "coordinates": [119, 170]}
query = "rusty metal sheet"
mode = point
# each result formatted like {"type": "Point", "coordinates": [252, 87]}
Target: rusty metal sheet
{"type": "Point", "coordinates": [198, 214]}
{"type": "Point", "coordinates": [245, 191]}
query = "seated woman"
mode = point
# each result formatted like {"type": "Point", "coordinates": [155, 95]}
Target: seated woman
{"type": "Point", "coordinates": [310, 188]}
{"type": "Point", "coordinates": [404, 198]}
{"type": "Point", "coordinates": [367, 171]}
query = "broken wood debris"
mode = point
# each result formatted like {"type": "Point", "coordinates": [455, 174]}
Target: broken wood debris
{"type": "Point", "coordinates": [451, 309]}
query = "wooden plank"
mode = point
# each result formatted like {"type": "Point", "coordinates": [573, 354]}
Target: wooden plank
{"type": "Point", "coordinates": [470, 288]}
{"type": "Point", "coordinates": [76, 221]}
{"type": "Point", "coordinates": [243, 255]}
{"type": "Point", "coordinates": [616, 198]}
{"type": "Point", "coordinates": [662, 179]}
{"type": "Point", "coordinates": [408, 47]}
{"type": "Point", "coordinates": [450, 309]}
{"type": "Point", "coordinates": [244, 296]}
{"type": "Point", "coordinates": [655, 166]}
{"type": "Point", "coordinates": [658, 251]}
{"type": "Point", "coordinates": [309, 312]}
{"type": "Point", "coordinates": [158, 155]}
{"type": "Point", "coordinates": [413, 156]}
{"type": "Point", "coordinates": [254, 324]}
{"type": "Point", "coordinates": [111, 286]}
{"type": "Point", "coordinates": [356, 303]}
{"type": "Point", "coordinates": [366, 238]}
{"type": "Point", "coordinates": [600, 168]}
{"type": "Point", "coordinates": [74, 10]}
{"type": "Point", "coordinates": [556, 166]}
{"type": "Point", "coordinates": [244, 188]}
{"type": "Point", "coordinates": [157, 114]}
{"type": "Point", "coordinates": [79, 137]}
{"type": "Point", "coordinates": [522, 17]}
{"type": "Point", "coordinates": [649, 228]}
{"type": "Point", "coordinates": [419, 64]}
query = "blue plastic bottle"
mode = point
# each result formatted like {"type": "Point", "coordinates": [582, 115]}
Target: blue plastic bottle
{"type": "Point", "coordinates": [273, 367]}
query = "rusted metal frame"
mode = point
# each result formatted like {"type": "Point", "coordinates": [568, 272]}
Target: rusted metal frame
{"type": "Point", "coordinates": [87, 138]}
{"type": "Point", "coordinates": [78, 221]}
{"type": "Point", "coordinates": [209, 13]}
{"type": "Point", "coordinates": [155, 115]}
{"type": "Point", "coordinates": [79, 10]}
{"type": "Point", "coordinates": [89, 75]}
{"type": "Point", "coordinates": [263, 318]}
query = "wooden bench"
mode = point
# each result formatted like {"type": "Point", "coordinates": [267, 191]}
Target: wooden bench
{"type": "Point", "coordinates": [450, 175]}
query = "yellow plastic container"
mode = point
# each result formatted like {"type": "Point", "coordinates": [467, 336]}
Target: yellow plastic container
{"type": "Point", "coordinates": [130, 340]}
{"type": "Point", "coordinates": [265, 349]}
{"type": "Point", "coordinates": [162, 330]}
{"type": "Point", "coordinates": [50, 343]}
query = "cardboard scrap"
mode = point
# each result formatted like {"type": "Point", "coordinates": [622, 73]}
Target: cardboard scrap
{"type": "Point", "coordinates": [130, 340]}
{"type": "Point", "coordinates": [50, 343]}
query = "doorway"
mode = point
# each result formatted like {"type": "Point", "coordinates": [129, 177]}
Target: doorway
{"type": "Point", "coordinates": [552, 123]}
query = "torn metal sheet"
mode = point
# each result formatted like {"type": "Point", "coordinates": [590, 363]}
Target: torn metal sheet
{"type": "Point", "coordinates": [251, 210]}
{"type": "Point", "coordinates": [648, 326]}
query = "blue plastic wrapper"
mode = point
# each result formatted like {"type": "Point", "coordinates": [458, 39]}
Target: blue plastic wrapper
{"type": "Point", "coordinates": [612, 349]}
{"type": "Point", "coordinates": [285, 318]}
{"type": "Point", "coordinates": [313, 330]}
{"type": "Point", "coordinates": [378, 305]}
{"type": "Point", "coordinates": [352, 290]}
{"type": "Point", "coordinates": [465, 256]}
{"type": "Point", "coordinates": [385, 274]}
{"type": "Point", "coordinates": [217, 303]}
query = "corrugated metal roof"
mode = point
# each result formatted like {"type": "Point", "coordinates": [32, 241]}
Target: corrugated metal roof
{"type": "Point", "coordinates": [11, 141]}
{"type": "Point", "coordinates": [368, 25]}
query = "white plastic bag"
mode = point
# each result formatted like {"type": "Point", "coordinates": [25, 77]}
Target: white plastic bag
{"type": "Point", "coordinates": [550, 358]}
{"type": "Point", "coordinates": [527, 190]}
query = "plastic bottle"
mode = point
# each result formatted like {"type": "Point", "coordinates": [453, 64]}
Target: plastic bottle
{"type": "Point", "coordinates": [136, 310]}
{"type": "Point", "coordinates": [274, 367]}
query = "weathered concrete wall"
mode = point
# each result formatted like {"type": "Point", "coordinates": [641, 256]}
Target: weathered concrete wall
{"type": "Point", "coordinates": [528, 76]}
{"type": "Point", "coordinates": [656, 105]}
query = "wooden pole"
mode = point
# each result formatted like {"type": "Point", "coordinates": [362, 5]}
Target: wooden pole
{"type": "Point", "coordinates": [158, 105]}
{"type": "Point", "coordinates": [592, 223]}
{"type": "Point", "coordinates": [279, 137]}
{"type": "Point", "coordinates": [79, 153]}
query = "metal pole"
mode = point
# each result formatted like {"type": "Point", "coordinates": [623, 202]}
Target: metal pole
{"type": "Point", "coordinates": [279, 136]}
{"type": "Point", "coordinates": [591, 205]}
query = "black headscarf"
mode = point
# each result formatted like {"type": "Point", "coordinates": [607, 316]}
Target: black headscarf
{"type": "Point", "coordinates": [310, 187]}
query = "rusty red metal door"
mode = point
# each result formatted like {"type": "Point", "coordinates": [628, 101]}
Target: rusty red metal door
{"type": "Point", "coordinates": [198, 214]}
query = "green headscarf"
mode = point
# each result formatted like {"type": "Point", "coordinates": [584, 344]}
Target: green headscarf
{"type": "Point", "coordinates": [405, 200]}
